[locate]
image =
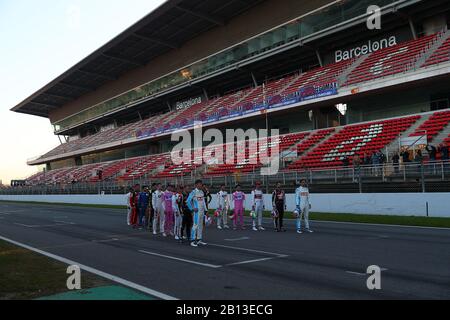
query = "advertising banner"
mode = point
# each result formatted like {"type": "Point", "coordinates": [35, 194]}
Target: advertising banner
{"type": "Point", "coordinates": [414, 141]}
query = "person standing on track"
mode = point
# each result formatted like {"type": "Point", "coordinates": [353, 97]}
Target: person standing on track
{"type": "Point", "coordinates": [223, 204]}
{"type": "Point", "coordinates": [177, 202]}
{"type": "Point", "coordinates": [279, 203]}
{"type": "Point", "coordinates": [168, 211]}
{"type": "Point", "coordinates": [258, 207]}
{"type": "Point", "coordinates": [151, 211]}
{"type": "Point", "coordinates": [143, 201]}
{"type": "Point", "coordinates": [129, 208]}
{"type": "Point", "coordinates": [208, 197]}
{"type": "Point", "coordinates": [197, 204]}
{"type": "Point", "coordinates": [187, 215]}
{"type": "Point", "coordinates": [239, 204]}
{"type": "Point", "coordinates": [159, 217]}
{"type": "Point", "coordinates": [134, 219]}
{"type": "Point", "coordinates": [303, 206]}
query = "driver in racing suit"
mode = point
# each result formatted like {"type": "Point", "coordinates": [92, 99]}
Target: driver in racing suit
{"type": "Point", "coordinates": [157, 204]}
{"type": "Point", "coordinates": [303, 206]}
{"type": "Point", "coordinates": [258, 207]}
{"type": "Point", "coordinates": [223, 204]}
{"type": "Point", "coordinates": [168, 212]}
{"type": "Point", "coordinates": [197, 204]}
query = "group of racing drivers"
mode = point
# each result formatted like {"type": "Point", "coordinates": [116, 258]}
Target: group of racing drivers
{"type": "Point", "coordinates": [182, 212]}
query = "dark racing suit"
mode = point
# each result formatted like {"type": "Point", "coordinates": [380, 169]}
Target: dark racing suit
{"type": "Point", "coordinates": [279, 202]}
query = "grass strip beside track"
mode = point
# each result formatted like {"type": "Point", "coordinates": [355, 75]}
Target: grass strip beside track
{"type": "Point", "coordinates": [437, 222]}
{"type": "Point", "coordinates": [28, 275]}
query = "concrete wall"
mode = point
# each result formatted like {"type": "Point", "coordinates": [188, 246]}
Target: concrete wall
{"type": "Point", "coordinates": [406, 204]}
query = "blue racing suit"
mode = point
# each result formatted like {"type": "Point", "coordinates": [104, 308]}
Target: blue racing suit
{"type": "Point", "coordinates": [197, 204]}
{"type": "Point", "coordinates": [143, 202]}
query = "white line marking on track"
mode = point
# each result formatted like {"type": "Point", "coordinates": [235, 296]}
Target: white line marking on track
{"type": "Point", "coordinates": [65, 222]}
{"type": "Point", "coordinates": [182, 260]}
{"type": "Point", "coordinates": [356, 273]}
{"type": "Point", "coordinates": [7, 213]}
{"type": "Point", "coordinates": [23, 225]}
{"type": "Point", "coordinates": [59, 224]}
{"type": "Point", "coordinates": [238, 239]}
{"type": "Point", "coordinates": [363, 274]}
{"type": "Point", "coordinates": [255, 260]}
{"type": "Point", "coordinates": [380, 225]}
{"type": "Point", "coordinates": [249, 250]}
{"type": "Point", "coordinates": [94, 271]}
{"type": "Point", "coordinates": [362, 224]}
{"type": "Point", "coordinates": [109, 240]}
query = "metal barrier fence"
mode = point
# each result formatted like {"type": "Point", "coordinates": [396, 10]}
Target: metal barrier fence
{"type": "Point", "coordinates": [411, 177]}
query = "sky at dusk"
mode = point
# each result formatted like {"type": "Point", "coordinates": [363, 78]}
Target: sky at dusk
{"type": "Point", "coordinates": [39, 41]}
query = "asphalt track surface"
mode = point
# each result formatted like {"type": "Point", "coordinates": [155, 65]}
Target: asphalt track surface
{"type": "Point", "coordinates": [240, 265]}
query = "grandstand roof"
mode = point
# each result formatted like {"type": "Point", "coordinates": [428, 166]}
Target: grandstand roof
{"type": "Point", "coordinates": [168, 27]}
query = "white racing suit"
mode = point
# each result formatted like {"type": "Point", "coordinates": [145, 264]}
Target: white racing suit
{"type": "Point", "coordinates": [158, 206]}
{"type": "Point", "coordinates": [223, 204]}
{"type": "Point", "coordinates": [303, 205]}
{"type": "Point", "coordinates": [258, 207]}
{"type": "Point", "coordinates": [196, 203]}
{"type": "Point", "coordinates": [176, 204]}
{"type": "Point", "coordinates": [128, 199]}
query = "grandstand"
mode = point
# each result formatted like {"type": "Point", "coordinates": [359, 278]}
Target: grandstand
{"type": "Point", "coordinates": [116, 110]}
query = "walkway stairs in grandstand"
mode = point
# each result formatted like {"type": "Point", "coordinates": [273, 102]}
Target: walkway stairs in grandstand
{"type": "Point", "coordinates": [291, 152]}
{"type": "Point", "coordinates": [444, 134]}
{"type": "Point", "coordinates": [228, 101]}
{"type": "Point", "coordinates": [393, 147]}
{"type": "Point", "coordinates": [207, 108]}
{"type": "Point", "coordinates": [290, 83]}
{"type": "Point", "coordinates": [441, 37]}
{"type": "Point", "coordinates": [247, 94]}
{"type": "Point", "coordinates": [154, 172]}
{"type": "Point", "coordinates": [307, 150]}
{"type": "Point", "coordinates": [342, 78]}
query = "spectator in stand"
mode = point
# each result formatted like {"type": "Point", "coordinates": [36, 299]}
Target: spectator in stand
{"type": "Point", "coordinates": [443, 149]}
{"type": "Point", "coordinates": [382, 159]}
{"type": "Point", "coordinates": [396, 162]}
{"type": "Point", "coordinates": [432, 151]}
{"type": "Point", "coordinates": [357, 166]}
{"type": "Point", "coordinates": [346, 161]}
{"type": "Point", "coordinates": [357, 161]}
{"type": "Point", "coordinates": [419, 159]}
{"type": "Point", "coordinates": [405, 156]}
{"type": "Point", "coordinates": [345, 164]}
{"type": "Point", "coordinates": [382, 156]}
{"type": "Point", "coordinates": [375, 161]}
{"type": "Point", "coordinates": [367, 159]}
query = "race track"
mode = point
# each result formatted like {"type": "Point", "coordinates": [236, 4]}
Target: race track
{"type": "Point", "coordinates": [328, 264]}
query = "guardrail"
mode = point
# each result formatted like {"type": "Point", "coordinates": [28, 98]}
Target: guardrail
{"type": "Point", "coordinates": [429, 177]}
